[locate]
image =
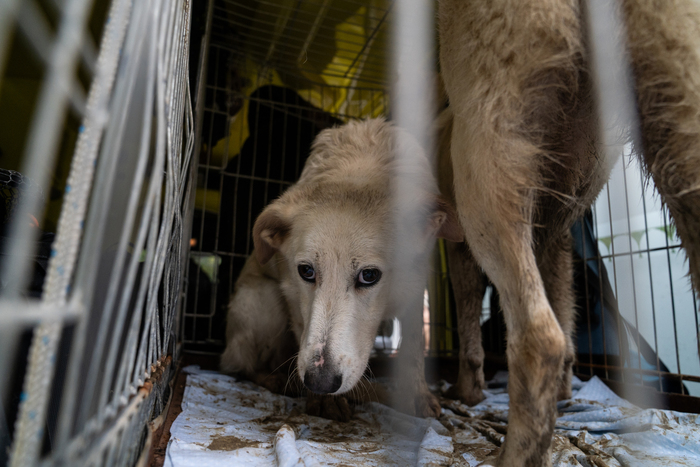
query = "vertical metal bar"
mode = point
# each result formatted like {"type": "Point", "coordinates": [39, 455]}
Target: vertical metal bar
{"type": "Point", "coordinates": [97, 216]}
{"type": "Point", "coordinates": [298, 155]}
{"type": "Point", "coordinates": [203, 208]}
{"type": "Point", "coordinates": [651, 284]}
{"type": "Point", "coordinates": [234, 224]}
{"type": "Point", "coordinates": [588, 304]}
{"type": "Point", "coordinates": [192, 185]}
{"type": "Point", "coordinates": [161, 157]}
{"type": "Point", "coordinates": [252, 181]}
{"type": "Point", "coordinates": [673, 300]}
{"type": "Point", "coordinates": [600, 278]}
{"type": "Point", "coordinates": [135, 347]}
{"type": "Point", "coordinates": [634, 287]}
{"type": "Point", "coordinates": [413, 110]}
{"type": "Point", "coordinates": [94, 376]}
{"type": "Point", "coordinates": [269, 149]}
{"type": "Point", "coordinates": [222, 204]}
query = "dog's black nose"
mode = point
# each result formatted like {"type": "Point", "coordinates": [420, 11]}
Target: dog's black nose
{"type": "Point", "coordinates": [323, 382]}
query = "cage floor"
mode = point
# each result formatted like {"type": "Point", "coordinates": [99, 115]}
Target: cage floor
{"type": "Point", "coordinates": [230, 422]}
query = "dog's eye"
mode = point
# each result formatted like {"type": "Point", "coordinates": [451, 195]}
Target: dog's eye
{"type": "Point", "coordinates": [368, 277]}
{"type": "Point", "coordinates": [307, 272]}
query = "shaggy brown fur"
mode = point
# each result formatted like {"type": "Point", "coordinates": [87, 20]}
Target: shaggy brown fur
{"type": "Point", "coordinates": [525, 167]}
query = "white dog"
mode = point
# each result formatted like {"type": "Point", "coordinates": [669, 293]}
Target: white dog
{"type": "Point", "coordinates": [322, 267]}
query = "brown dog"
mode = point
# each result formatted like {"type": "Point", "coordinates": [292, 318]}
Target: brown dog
{"type": "Point", "coordinates": [525, 160]}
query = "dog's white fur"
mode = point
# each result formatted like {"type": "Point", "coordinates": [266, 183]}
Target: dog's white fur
{"type": "Point", "coordinates": [523, 151]}
{"type": "Point", "coordinates": [338, 219]}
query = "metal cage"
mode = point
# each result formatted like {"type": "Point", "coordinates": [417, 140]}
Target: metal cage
{"type": "Point", "coordinates": [91, 270]}
{"type": "Point", "coordinates": [273, 65]}
{"type": "Point", "coordinates": [128, 210]}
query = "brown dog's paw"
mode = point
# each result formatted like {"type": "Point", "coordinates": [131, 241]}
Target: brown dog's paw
{"type": "Point", "coordinates": [331, 407]}
{"type": "Point", "coordinates": [471, 396]}
{"type": "Point", "coordinates": [278, 383]}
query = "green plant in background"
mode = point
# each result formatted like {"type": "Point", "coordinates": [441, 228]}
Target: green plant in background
{"type": "Point", "coordinates": [670, 231]}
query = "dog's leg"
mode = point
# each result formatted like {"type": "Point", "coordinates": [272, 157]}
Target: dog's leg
{"type": "Point", "coordinates": [555, 263]}
{"type": "Point", "coordinates": [495, 211]}
{"type": "Point", "coordinates": [504, 64]}
{"type": "Point", "coordinates": [663, 44]}
{"type": "Point", "coordinates": [331, 407]}
{"type": "Point", "coordinates": [258, 340]}
{"type": "Point", "coordinates": [469, 286]}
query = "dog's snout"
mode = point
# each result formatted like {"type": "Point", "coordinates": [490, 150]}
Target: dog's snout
{"type": "Point", "coordinates": [323, 382]}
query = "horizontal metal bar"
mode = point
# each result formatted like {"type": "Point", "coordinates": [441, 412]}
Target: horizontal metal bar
{"type": "Point", "coordinates": [378, 90]}
{"type": "Point", "coordinates": [245, 177]}
{"type": "Point", "coordinates": [635, 252]}
{"type": "Point", "coordinates": [33, 312]}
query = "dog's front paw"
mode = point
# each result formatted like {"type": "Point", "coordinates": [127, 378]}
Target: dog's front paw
{"type": "Point", "coordinates": [331, 407]}
{"type": "Point", "coordinates": [470, 396]}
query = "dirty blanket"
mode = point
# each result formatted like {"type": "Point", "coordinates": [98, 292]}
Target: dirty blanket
{"type": "Point", "coordinates": [230, 422]}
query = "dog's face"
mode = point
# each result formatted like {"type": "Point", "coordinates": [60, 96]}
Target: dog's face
{"type": "Point", "coordinates": [337, 273]}
{"type": "Point", "coordinates": [332, 236]}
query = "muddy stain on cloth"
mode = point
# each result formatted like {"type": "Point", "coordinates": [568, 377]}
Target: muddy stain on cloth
{"type": "Point", "coordinates": [230, 443]}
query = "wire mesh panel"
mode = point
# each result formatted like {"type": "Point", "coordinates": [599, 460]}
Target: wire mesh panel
{"type": "Point", "coordinates": [642, 316]}
{"type": "Point", "coordinates": [85, 366]}
{"type": "Point", "coordinates": [280, 72]}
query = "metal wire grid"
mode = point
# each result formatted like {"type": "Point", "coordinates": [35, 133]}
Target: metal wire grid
{"type": "Point", "coordinates": [651, 295]}
{"type": "Point", "coordinates": [648, 275]}
{"type": "Point", "coordinates": [292, 35]}
{"type": "Point", "coordinates": [203, 325]}
{"type": "Point", "coordinates": [113, 283]}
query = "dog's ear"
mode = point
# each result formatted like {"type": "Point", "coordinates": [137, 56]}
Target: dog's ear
{"type": "Point", "coordinates": [269, 232]}
{"type": "Point", "coordinates": [445, 223]}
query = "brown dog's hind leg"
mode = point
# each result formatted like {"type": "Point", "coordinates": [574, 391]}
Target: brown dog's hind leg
{"type": "Point", "coordinates": [505, 65]}
{"type": "Point", "coordinates": [663, 44]}
{"type": "Point", "coordinates": [469, 286]}
{"type": "Point", "coordinates": [555, 263]}
{"type": "Point", "coordinates": [494, 210]}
